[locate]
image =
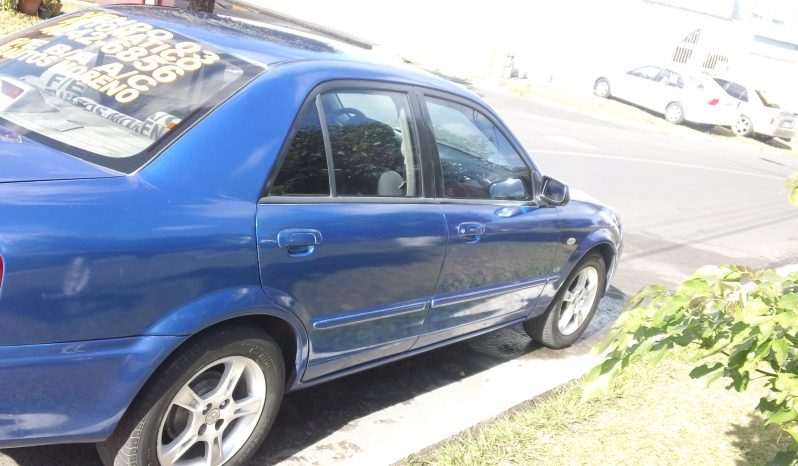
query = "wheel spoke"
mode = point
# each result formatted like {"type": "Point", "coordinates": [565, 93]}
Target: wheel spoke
{"type": "Point", "coordinates": [249, 406]}
{"type": "Point", "coordinates": [188, 399]}
{"type": "Point", "coordinates": [178, 447]}
{"type": "Point", "coordinates": [231, 376]}
{"type": "Point", "coordinates": [214, 453]}
{"type": "Point", "coordinates": [569, 296]}
{"type": "Point", "coordinates": [566, 315]}
{"type": "Point", "coordinates": [580, 281]}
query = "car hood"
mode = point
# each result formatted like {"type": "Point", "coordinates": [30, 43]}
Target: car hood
{"type": "Point", "coordinates": [22, 159]}
{"type": "Point", "coordinates": [582, 196]}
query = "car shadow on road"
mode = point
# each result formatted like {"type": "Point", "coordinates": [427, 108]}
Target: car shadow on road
{"type": "Point", "coordinates": [310, 415]}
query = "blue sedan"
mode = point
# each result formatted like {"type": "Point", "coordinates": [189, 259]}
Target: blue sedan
{"type": "Point", "coordinates": [198, 214]}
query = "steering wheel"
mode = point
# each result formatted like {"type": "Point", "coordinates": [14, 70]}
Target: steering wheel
{"type": "Point", "coordinates": [348, 111]}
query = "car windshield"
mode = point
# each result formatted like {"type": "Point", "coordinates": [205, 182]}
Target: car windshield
{"type": "Point", "coordinates": [107, 88]}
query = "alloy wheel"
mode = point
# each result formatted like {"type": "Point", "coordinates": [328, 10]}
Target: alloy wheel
{"type": "Point", "coordinates": [742, 127]}
{"type": "Point", "coordinates": [578, 300]}
{"type": "Point", "coordinates": [213, 414]}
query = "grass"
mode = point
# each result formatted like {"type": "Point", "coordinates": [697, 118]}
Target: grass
{"type": "Point", "coordinates": [655, 414]}
{"type": "Point", "coordinates": [12, 20]}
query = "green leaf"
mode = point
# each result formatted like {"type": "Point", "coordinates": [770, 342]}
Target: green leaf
{"type": "Point", "coordinates": [781, 349]}
{"type": "Point", "coordinates": [793, 431]}
{"type": "Point", "coordinates": [597, 382]}
{"type": "Point", "coordinates": [786, 382]}
{"type": "Point", "coordinates": [705, 369]}
{"type": "Point", "coordinates": [708, 373]}
{"type": "Point", "coordinates": [788, 320]}
{"type": "Point", "coordinates": [792, 189]}
{"type": "Point", "coordinates": [782, 416]}
{"type": "Point", "coordinates": [789, 302]}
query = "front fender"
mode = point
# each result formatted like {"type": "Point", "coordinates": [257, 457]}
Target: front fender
{"type": "Point", "coordinates": [601, 238]}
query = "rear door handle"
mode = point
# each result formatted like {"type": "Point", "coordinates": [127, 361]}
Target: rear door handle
{"type": "Point", "coordinates": [472, 231]}
{"type": "Point", "coordinates": [299, 242]}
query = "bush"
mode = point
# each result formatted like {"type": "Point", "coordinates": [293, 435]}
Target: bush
{"type": "Point", "coordinates": [744, 323]}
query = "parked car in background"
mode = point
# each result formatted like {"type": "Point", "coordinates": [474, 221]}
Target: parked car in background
{"type": "Point", "coordinates": [758, 113]}
{"type": "Point", "coordinates": [198, 214]}
{"type": "Point", "coordinates": [678, 94]}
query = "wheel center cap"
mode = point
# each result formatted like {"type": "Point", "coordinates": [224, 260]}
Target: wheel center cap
{"type": "Point", "coordinates": [212, 416]}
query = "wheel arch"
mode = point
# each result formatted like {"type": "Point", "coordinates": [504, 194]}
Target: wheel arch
{"type": "Point", "coordinates": [245, 305]}
{"type": "Point", "coordinates": [599, 79]}
{"type": "Point", "coordinates": [604, 243]}
{"type": "Point", "coordinates": [288, 332]}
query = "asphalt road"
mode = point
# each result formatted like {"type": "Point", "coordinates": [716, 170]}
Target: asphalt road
{"type": "Point", "coordinates": [686, 199]}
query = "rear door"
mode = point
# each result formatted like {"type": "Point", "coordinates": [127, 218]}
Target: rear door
{"type": "Point", "coordinates": [346, 238]}
{"type": "Point", "coordinates": [501, 243]}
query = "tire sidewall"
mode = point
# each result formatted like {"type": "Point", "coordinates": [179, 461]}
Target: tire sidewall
{"type": "Point", "coordinates": [141, 425]}
{"type": "Point", "coordinates": [596, 87]}
{"type": "Point", "coordinates": [556, 306]}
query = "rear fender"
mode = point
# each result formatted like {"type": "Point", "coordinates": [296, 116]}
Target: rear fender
{"type": "Point", "coordinates": [227, 304]}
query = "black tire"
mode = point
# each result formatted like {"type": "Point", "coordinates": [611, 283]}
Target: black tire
{"type": "Point", "coordinates": [743, 126]}
{"type": "Point", "coordinates": [545, 329]}
{"type": "Point", "coordinates": [602, 88]}
{"type": "Point", "coordinates": [674, 113]}
{"type": "Point", "coordinates": [136, 439]}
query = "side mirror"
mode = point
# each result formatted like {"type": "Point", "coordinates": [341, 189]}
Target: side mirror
{"type": "Point", "coordinates": [511, 189]}
{"type": "Point", "coordinates": [554, 192]}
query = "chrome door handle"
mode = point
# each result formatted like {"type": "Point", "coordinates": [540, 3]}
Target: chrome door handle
{"type": "Point", "coordinates": [472, 231]}
{"type": "Point", "coordinates": [299, 242]}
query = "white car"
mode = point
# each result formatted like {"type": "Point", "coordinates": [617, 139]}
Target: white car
{"type": "Point", "coordinates": [680, 95]}
{"type": "Point", "coordinates": [758, 113]}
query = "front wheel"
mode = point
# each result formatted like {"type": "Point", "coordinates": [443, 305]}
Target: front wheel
{"type": "Point", "coordinates": [572, 309]}
{"type": "Point", "coordinates": [602, 88]}
{"type": "Point", "coordinates": [211, 403]}
{"type": "Point", "coordinates": [674, 113]}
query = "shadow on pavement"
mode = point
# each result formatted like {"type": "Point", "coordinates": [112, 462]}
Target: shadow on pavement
{"type": "Point", "coordinates": [52, 455]}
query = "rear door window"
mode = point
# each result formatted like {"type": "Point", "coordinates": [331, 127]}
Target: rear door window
{"type": "Point", "coordinates": [364, 137]}
{"type": "Point", "coordinates": [106, 87]}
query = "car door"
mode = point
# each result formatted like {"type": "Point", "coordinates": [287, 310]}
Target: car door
{"type": "Point", "coordinates": [640, 86]}
{"type": "Point", "coordinates": [500, 249]}
{"type": "Point", "coordinates": [346, 239]}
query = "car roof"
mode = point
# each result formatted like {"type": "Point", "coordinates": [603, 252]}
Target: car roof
{"type": "Point", "coordinates": [273, 46]}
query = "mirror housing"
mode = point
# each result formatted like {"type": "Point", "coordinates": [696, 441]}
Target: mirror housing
{"type": "Point", "coordinates": [554, 192]}
{"type": "Point", "coordinates": [511, 189]}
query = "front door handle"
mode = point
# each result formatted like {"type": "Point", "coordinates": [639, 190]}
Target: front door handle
{"type": "Point", "coordinates": [472, 231]}
{"type": "Point", "coordinates": [299, 242]}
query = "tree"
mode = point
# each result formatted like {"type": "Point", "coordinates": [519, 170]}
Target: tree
{"type": "Point", "coordinates": [744, 324]}
{"type": "Point", "coordinates": [202, 5]}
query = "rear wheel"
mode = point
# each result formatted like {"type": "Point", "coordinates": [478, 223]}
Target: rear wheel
{"type": "Point", "coordinates": [211, 403]}
{"type": "Point", "coordinates": [602, 88]}
{"type": "Point", "coordinates": [743, 127]}
{"type": "Point", "coordinates": [674, 113]}
{"type": "Point", "coordinates": [572, 309]}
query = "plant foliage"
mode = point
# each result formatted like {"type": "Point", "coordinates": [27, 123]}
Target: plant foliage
{"type": "Point", "coordinates": [743, 322]}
